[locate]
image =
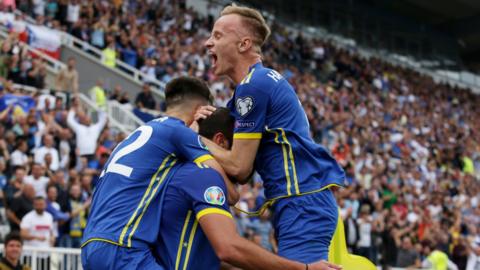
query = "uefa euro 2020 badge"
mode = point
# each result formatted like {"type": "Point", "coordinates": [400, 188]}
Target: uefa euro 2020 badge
{"type": "Point", "coordinates": [214, 195]}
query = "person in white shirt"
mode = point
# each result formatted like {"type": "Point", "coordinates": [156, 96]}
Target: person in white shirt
{"type": "Point", "coordinates": [73, 12]}
{"type": "Point", "coordinates": [47, 148]}
{"type": "Point", "coordinates": [38, 180]}
{"type": "Point", "coordinates": [37, 227]}
{"type": "Point", "coordinates": [19, 156]}
{"type": "Point", "coordinates": [86, 133]}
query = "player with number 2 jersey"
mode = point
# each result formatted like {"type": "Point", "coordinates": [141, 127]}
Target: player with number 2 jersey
{"type": "Point", "coordinates": [125, 215]}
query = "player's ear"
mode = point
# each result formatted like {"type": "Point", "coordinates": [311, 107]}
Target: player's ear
{"type": "Point", "coordinates": [245, 44]}
{"type": "Point", "coordinates": [220, 140]}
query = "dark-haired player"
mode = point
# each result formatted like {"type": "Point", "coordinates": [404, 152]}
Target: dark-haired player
{"type": "Point", "coordinates": [125, 213]}
{"type": "Point", "coordinates": [197, 229]}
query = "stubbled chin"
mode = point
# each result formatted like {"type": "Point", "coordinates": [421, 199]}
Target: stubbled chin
{"type": "Point", "coordinates": [216, 70]}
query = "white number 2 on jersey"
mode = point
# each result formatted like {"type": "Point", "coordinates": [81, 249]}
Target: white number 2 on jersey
{"type": "Point", "coordinates": [114, 166]}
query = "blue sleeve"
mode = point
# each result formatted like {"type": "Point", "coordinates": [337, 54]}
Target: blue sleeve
{"type": "Point", "coordinates": [189, 146]}
{"type": "Point", "coordinates": [250, 108]}
{"type": "Point", "coordinates": [207, 193]}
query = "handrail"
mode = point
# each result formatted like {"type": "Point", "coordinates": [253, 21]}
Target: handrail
{"type": "Point", "coordinates": [138, 76]}
{"type": "Point", "coordinates": [117, 123]}
{"type": "Point", "coordinates": [53, 64]}
{"type": "Point", "coordinates": [94, 108]}
{"type": "Point", "coordinates": [123, 115]}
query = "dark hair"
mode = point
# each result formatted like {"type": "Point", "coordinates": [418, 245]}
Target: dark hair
{"type": "Point", "coordinates": [51, 186]}
{"type": "Point", "coordinates": [183, 89]}
{"type": "Point", "coordinates": [19, 167]}
{"type": "Point", "coordinates": [220, 121]}
{"type": "Point", "coordinates": [39, 198]}
{"type": "Point", "coordinates": [13, 236]}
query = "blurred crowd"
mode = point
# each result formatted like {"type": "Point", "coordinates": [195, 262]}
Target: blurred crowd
{"type": "Point", "coordinates": [410, 146]}
{"type": "Point", "coordinates": [51, 156]}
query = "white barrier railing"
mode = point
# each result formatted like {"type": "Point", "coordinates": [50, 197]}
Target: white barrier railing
{"type": "Point", "coordinates": [51, 258]}
{"type": "Point", "coordinates": [116, 116]}
{"type": "Point", "coordinates": [52, 64]}
{"type": "Point", "coordinates": [96, 54]}
{"type": "Point", "coordinates": [123, 114]}
{"type": "Point", "coordinates": [93, 109]}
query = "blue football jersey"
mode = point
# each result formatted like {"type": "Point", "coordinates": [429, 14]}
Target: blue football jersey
{"type": "Point", "coordinates": [192, 193]}
{"type": "Point", "coordinates": [266, 107]}
{"type": "Point", "coordinates": [125, 204]}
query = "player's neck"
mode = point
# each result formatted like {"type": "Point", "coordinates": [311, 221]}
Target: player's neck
{"type": "Point", "coordinates": [180, 114]}
{"type": "Point", "coordinates": [241, 69]}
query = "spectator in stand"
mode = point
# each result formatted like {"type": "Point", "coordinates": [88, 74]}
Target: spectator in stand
{"type": "Point", "coordinates": [19, 156]}
{"type": "Point", "coordinates": [36, 74]}
{"type": "Point", "coordinates": [38, 180]}
{"type": "Point", "coordinates": [407, 256]}
{"type": "Point", "coordinates": [109, 55]}
{"type": "Point", "coordinates": [20, 206]}
{"type": "Point", "coordinates": [118, 95]}
{"type": "Point", "coordinates": [86, 133]}
{"type": "Point", "coordinates": [150, 70]}
{"type": "Point", "coordinates": [14, 187]}
{"type": "Point", "coordinates": [78, 214]}
{"type": "Point", "coordinates": [145, 99]}
{"type": "Point", "coordinates": [73, 12]}
{"type": "Point", "coordinates": [263, 228]}
{"type": "Point", "coordinates": [53, 207]}
{"type": "Point", "coordinates": [129, 56]}
{"type": "Point", "coordinates": [67, 79]}
{"type": "Point", "coordinates": [37, 227]}
{"type": "Point", "coordinates": [365, 228]}
{"type": "Point", "coordinates": [98, 95]}
{"type": "Point", "coordinates": [47, 148]}
{"type": "Point", "coordinates": [98, 35]}
{"type": "Point", "coordinates": [13, 246]}
{"type": "Point", "coordinates": [434, 258]}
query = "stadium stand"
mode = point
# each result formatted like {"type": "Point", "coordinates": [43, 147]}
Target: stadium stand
{"type": "Point", "coordinates": [410, 145]}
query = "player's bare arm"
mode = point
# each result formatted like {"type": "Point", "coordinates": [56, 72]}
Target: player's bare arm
{"type": "Point", "coordinates": [239, 252]}
{"type": "Point", "coordinates": [237, 162]}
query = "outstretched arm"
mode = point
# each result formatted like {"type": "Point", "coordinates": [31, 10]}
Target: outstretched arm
{"type": "Point", "coordinates": [244, 254]}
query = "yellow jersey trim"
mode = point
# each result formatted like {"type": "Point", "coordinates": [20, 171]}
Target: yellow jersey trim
{"type": "Point", "coordinates": [247, 136]}
{"type": "Point", "coordinates": [248, 77]}
{"type": "Point", "coordinates": [152, 194]}
{"type": "Point", "coordinates": [292, 160]}
{"type": "Point", "coordinates": [208, 211]}
{"type": "Point", "coordinates": [285, 160]}
{"type": "Point", "coordinates": [203, 158]}
{"type": "Point", "coordinates": [272, 201]}
{"type": "Point", "coordinates": [140, 205]}
{"type": "Point", "coordinates": [101, 240]}
{"type": "Point", "coordinates": [182, 237]}
{"type": "Point", "coordinates": [190, 244]}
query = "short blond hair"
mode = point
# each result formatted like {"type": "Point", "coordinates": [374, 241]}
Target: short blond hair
{"type": "Point", "coordinates": [253, 20]}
